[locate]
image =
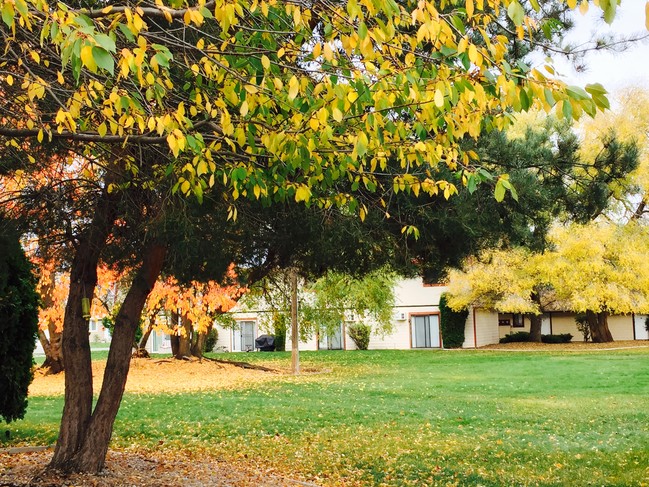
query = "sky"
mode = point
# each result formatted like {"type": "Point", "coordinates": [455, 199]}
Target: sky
{"type": "Point", "coordinates": [614, 70]}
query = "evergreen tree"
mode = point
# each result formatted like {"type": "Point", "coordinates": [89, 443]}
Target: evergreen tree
{"type": "Point", "coordinates": [18, 324]}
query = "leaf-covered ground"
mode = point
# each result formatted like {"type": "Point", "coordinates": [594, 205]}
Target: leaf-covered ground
{"type": "Point", "coordinates": [555, 417]}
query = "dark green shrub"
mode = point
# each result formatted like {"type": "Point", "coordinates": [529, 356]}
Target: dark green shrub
{"type": "Point", "coordinates": [360, 334]}
{"type": "Point", "coordinates": [562, 338]}
{"type": "Point", "coordinates": [280, 325]}
{"type": "Point", "coordinates": [452, 324]}
{"type": "Point", "coordinates": [210, 340]}
{"type": "Point", "coordinates": [519, 336]}
{"type": "Point", "coordinates": [18, 325]}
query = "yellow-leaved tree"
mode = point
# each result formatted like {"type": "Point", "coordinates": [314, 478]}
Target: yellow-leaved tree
{"type": "Point", "coordinates": [599, 269]}
{"type": "Point", "coordinates": [277, 101]}
{"type": "Point", "coordinates": [508, 281]}
{"type": "Point", "coordinates": [595, 269]}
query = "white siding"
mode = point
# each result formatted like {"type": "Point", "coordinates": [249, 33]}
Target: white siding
{"type": "Point", "coordinates": [481, 327]}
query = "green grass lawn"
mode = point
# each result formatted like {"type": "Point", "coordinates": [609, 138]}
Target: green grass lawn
{"type": "Point", "coordinates": [409, 418]}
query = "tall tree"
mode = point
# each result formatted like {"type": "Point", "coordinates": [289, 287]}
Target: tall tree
{"type": "Point", "coordinates": [18, 324]}
{"type": "Point", "coordinates": [272, 102]}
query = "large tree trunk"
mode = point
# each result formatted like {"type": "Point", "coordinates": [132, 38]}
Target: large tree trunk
{"type": "Point", "coordinates": [598, 323]}
{"type": "Point", "coordinates": [184, 339]}
{"type": "Point", "coordinates": [92, 454]}
{"type": "Point", "coordinates": [536, 322]}
{"type": "Point", "coordinates": [77, 408]}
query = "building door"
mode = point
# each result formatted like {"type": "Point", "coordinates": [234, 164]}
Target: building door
{"type": "Point", "coordinates": [425, 331]}
{"type": "Point", "coordinates": [244, 337]}
{"type": "Point", "coordinates": [333, 340]}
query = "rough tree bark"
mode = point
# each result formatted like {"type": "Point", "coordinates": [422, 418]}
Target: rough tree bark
{"type": "Point", "coordinates": [77, 408]}
{"type": "Point", "coordinates": [83, 441]}
{"type": "Point", "coordinates": [53, 363]}
{"type": "Point", "coordinates": [184, 339]}
{"type": "Point", "coordinates": [536, 322]}
{"type": "Point", "coordinates": [92, 453]}
{"type": "Point", "coordinates": [598, 323]}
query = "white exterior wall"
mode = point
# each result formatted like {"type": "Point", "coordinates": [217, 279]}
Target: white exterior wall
{"type": "Point", "coordinates": [481, 328]}
{"type": "Point", "coordinates": [399, 339]}
{"type": "Point", "coordinates": [621, 327]}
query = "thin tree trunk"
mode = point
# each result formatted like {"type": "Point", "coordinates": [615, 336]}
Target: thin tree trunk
{"type": "Point", "coordinates": [295, 338]}
{"type": "Point", "coordinates": [92, 454]}
{"type": "Point", "coordinates": [145, 337]}
{"type": "Point", "coordinates": [53, 363]}
{"type": "Point", "coordinates": [599, 331]}
{"type": "Point", "coordinates": [77, 408]}
{"type": "Point", "coordinates": [174, 338]}
{"type": "Point", "coordinates": [52, 348]}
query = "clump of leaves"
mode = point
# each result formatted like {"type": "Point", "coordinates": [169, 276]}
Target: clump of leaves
{"type": "Point", "coordinates": [360, 334]}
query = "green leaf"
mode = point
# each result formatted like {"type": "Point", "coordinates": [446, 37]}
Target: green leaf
{"type": "Point", "coordinates": [499, 192]}
{"type": "Point", "coordinates": [103, 59]}
{"type": "Point", "coordinates": [106, 42]}
{"type": "Point", "coordinates": [596, 88]}
{"type": "Point", "coordinates": [576, 92]}
{"type": "Point", "coordinates": [567, 109]}
{"type": "Point", "coordinates": [8, 14]}
{"type": "Point", "coordinates": [516, 13]}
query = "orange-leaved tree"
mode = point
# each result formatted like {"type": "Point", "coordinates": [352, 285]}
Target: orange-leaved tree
{"type": "Point", "coordinates": [192, 308]}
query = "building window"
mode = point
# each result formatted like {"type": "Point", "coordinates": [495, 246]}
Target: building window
{"type": "Point", "coordinates": [332, 340]}
{"type": "Point", "coordinates": [92, 324]}
{"type": "Point", "coordinates": [518, 321]}
{"type": "Point", "coordinates": [425, 331]}
{"type": "Point", "coordinates": [504, 323]}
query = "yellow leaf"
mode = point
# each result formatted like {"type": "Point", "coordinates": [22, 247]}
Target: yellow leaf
{"type": "Point", "coordinates": [646, 15]}
{"type": "Point", "coordinates": [303, 193]}
{"type": "Point", "coordinates": [293, 88]}
{"type": "Point", "coordinates": [9, 79]}
{"type": "Point", "coordinates": [39, 137]}
{"type": "Point", "coordinates": [102, 129]}
{"type": "Point", "coordinates": [265, 62]}
{"type": "Point", "coordinates": [87, 59]}
{"type": "Point", "coordinates": [469, 8]}
{"type": "Point", "coordinates": [244, 108]}
{"type": "Point", "coordinates": [35, 56]}
{"type": "Point", "coordinates": [280, 53]}
{"type": "Point", "coordinates": [60, 78]}
{"type": "Point", "coordinates": [184, 187]}
{"type": "Point", "coordinates": [314, 124]}
{"type": "Point", "coordinates": [583, 7]}
{"type": "Point", "coordinates": [201, 168]}
{"type": "Point", "coordinates": [439, 98]}
{"type": "Point", "coordinates": [337, 115]}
